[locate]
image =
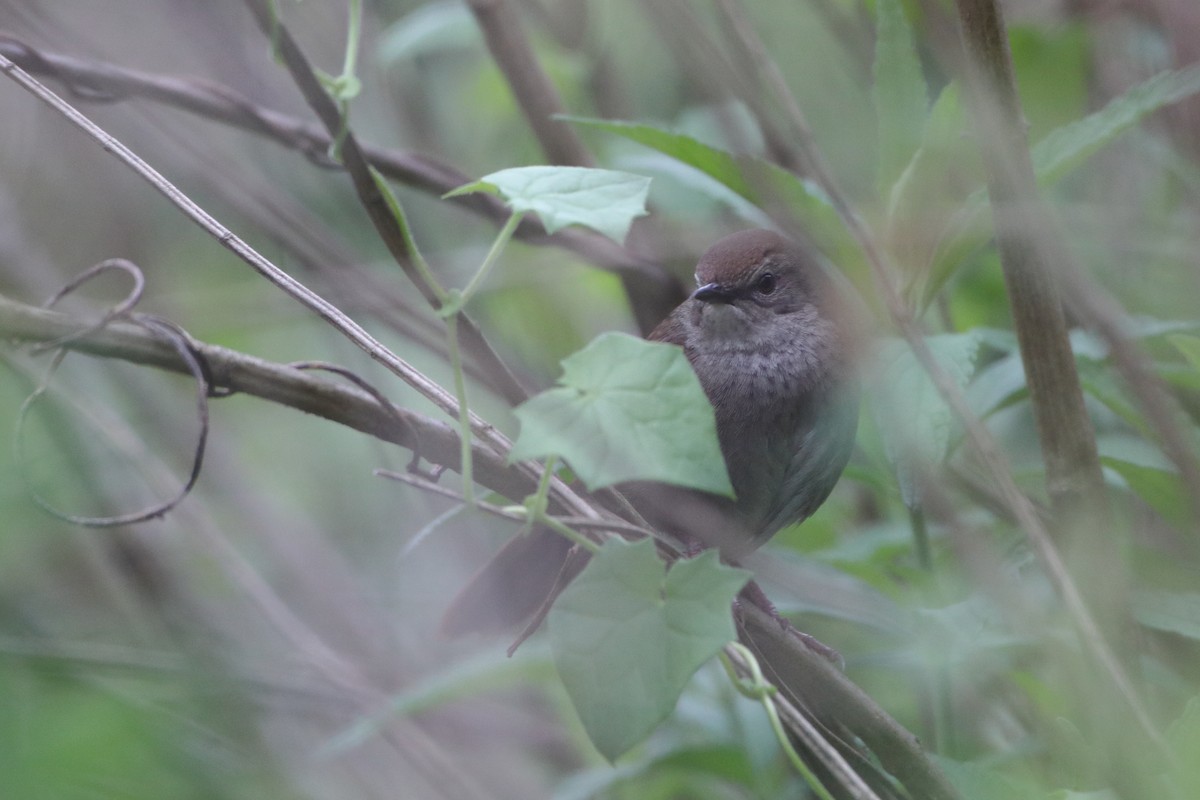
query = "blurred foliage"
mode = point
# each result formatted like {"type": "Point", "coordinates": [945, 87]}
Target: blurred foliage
{"type": "Point", "coordinates": [223, 650]}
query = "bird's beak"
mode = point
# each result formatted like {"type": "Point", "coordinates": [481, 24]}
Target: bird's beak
{"type": "Point", "coordinates": [713, 293]}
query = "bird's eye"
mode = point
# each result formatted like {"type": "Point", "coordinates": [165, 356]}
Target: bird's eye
{"type": "Point", "coordinates": [765, 284]}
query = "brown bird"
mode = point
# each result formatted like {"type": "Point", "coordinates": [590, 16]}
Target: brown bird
{"type": "Point", "coordinates": [767, 334]}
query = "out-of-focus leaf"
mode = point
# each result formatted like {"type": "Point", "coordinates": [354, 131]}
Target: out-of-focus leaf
{"type": "Point", "coordinates": [978, 782]}
{"type": "Point", "coordinates": [996, 385]}
{"type": "Point", "coordinates": [961, 633]}
{"type": "Point", "coordinates": [1069, 146]}
{"type": "Point", "coordinates": [1184, 739]}
{"type": "Point", "coordinates": [801, 584]}
{"type": "Point", "coordinates": [490, 670]}
{"type": "Point", "coordinates": [1060, 152]}
{"type": "Point", "coordinates": [758, 181]}
{"type": "Point", "coordinates": [901, 99]}
{"type": "Point", "coordinates": [1189, 346]}
{"type": "Point", "coordinates": [931, 190]}
{"type": "Point", "coordinates": [912, 417]}
{"type": "Point", "coordinates": [941, 149]}
{"type": "Point", "coordinates": [428, 29]}
{"type": "Point", "coordinates": [1059, 50]}
{"type": "Point", "coordinates": [627, 409]}
{"type": "Point", "coordinates": [685, 191]}
{"type": "Point", "coordinates": [628, 634]}
{"type": "Point", "coordinates": [1174, 612]}
{"type": "Point", "coordinates": [1147, 472]}
{"type": "Point", "coordinates": [602, 199]}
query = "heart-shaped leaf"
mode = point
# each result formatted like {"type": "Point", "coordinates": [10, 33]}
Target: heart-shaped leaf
{"type": "Point", "coordinates": [602, 199]}
{"type": "Point", "coordinates": [627, 409]}
{"type": "Point", "coordinates": [627, 635]}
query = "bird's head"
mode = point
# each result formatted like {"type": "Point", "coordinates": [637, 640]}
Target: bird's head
{"type": "Point", "coordinates": [756, 288]}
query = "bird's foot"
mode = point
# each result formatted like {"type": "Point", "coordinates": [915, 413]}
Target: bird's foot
{"type": "Point", "coordinates": [753, 594]}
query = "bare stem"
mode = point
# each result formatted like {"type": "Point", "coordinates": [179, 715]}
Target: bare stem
{"type": "Point", "coordinates": [1029, 253]}
{"type": "Point", "coordinates": [535, 93]}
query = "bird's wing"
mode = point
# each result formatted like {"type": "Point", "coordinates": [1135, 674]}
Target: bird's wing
{"type": "Point", "coordinates": [821, 449]}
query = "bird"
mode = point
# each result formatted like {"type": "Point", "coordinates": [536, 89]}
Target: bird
{"type": "Point", "coordinates": [769, 335]}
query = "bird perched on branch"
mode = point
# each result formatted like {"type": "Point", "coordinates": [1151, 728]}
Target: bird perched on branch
{"type": "Point", "coordinates": [769, 337]}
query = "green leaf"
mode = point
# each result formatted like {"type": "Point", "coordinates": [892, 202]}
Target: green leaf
{"type": "Point", "coordinates": [901, 100]}
{"type": "Point", "coordinates": [1184, 739]}
{"type": "Point", "coordinates": [1063, 51]}
{"type": "Point", "coordinates": [913, 419]}
{"type": "Point", "coordinates": [996, 386]}
{"type": "Point", "coordinates": [627, 636]}
{"type": "Point", "coordinates": [1174, 612]}
{"type": "Point", "coordinates": [1069, 146]}
{"type": "Point", "coordinates": [931, 190]}
{"type": "Point", "coordinates": [978, 782]}
{"type": "Point", "coordinates": [1189, 346]}
{"type": "Point", "coordinates": [1147, 472]}
{"type": "Point", "coordinates": [602, 199]}
{"type": "Point", "coordinates": [761, 182]}
{"type": "Point", "coordinates": [1056, 155]}
{"type": "Point", "coordinates": [430, 28]}
{"type": "Point", "coordinates": [627, 410]}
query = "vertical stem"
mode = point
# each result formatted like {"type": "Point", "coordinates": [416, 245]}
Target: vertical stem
{"type": "Point", "coordinates": [920, 532]}
{"type": "Point", "coordinates": [531, 86]}
{"type": "Point", "coordinates": [452, 306]}
{"type": "Point", "coordinates": [1029, 251]}
{"type": "Point", "coordinates": [464, 411]}
{"type": "Point", "coordinates": [492, 257]}
{"type": "Point", "coordinates": [937, 684]}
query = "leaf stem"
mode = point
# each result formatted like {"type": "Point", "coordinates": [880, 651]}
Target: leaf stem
{"type": "Point", "coordinates": [492, 257]}
{"type": "Point", "coordinates": [920, 533]}
{"type": "Point", "coordinates": [538, 499]}
{"type": "Point", "coordinates": [418, 260]}
{"type": "Point", "coordinates": [760, 689]}
{"type": "Point", "coordinates": [464, 411]}
{"type": "Point", "coordinates": [353, 32]}
{"type": "Point", "coordinates": [571, 534]}
{"type": "Point", "coordinates": [453, 302]}
{"type": "Point", "coordinates": [937, 680]}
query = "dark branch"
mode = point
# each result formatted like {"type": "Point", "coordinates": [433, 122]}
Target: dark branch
{"type": "Point", "coordinates": [1030, 252]}
{"type": "Point", "coordinates": [344, 404]}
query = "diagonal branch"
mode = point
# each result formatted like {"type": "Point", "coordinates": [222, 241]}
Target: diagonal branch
{"type": "Point", "coordinates": [344, 404]}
